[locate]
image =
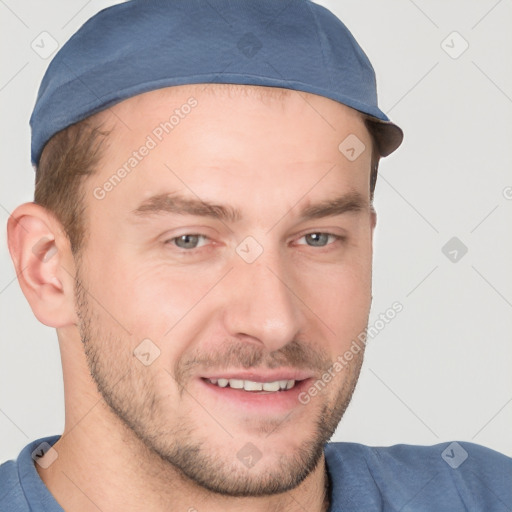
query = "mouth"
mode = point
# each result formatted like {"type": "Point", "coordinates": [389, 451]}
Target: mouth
{"type": "Point", "coordinates": [263, 393]}
{"type": "Point", "coordinates": [253, 386]}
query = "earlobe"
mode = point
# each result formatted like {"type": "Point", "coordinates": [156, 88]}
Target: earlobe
{"type": "Point", "coordinates": [44, 264]}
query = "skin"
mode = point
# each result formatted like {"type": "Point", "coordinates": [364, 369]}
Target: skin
{"type": "Point", "coordinates": [292, 311]}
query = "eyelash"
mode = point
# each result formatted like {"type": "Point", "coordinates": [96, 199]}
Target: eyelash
{"type": "Point", "coordinates": [336, 238]}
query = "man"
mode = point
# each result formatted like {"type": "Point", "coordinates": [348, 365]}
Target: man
{"type": "Point", "coordinates": [201, 239]}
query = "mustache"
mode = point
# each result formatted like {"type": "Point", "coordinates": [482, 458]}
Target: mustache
{"type": "Point", "coordinates": [229, 355]}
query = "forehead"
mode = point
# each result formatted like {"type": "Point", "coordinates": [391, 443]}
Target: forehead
{"type": "Point", "coordinates": [228, 99]}
{"type": "Point", "coordinates": [208, 136]}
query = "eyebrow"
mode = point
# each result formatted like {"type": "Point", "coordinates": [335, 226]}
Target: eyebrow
{"type": "Point", "coordinates": [173, 203]}
{"type": "Point", "coordinates": [351, 202]}
{"type": "Point", "coordinates": [180, 205]}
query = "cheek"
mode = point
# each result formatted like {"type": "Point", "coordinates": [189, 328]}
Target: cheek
{"type": "Point", "coordinates": [158, 302]}
{"type": "Point", "coordinates": [346, 276]}
{"type": "Point", "coordinates": [342, 301]}
{"type": "Point", "coordinates": [340, 297]}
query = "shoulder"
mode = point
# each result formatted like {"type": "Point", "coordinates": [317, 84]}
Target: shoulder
{"type": "Point", "coordinates": [11, 492]}
{"type": "Point", "coordinates": [454, 476]}
{"type": "Point", "coordinates": [21, 488]}
{"type": "Point", "coordinates": [452, 455]}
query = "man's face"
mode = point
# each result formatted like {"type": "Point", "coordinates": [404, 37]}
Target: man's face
{"type": "Point", "coordinates": [263, 290]}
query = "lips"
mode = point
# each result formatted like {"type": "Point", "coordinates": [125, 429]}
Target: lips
{"type": "Point", "coordinates": [262, 393]}
{"type": "Point", "coordinates": [263, 389]}
{"type": "Point", "coordinates": [251, 385]}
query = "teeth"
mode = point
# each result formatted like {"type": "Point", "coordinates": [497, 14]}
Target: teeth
{"type": "Point", "coordinates": [271, 386]}
{"type": "Point", "coordinates": [250, 385]}
{"type": "Point", "coordinates": [236, 383]}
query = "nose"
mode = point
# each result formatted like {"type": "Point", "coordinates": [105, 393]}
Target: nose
{"type": "Point", "coordinates": [262, 305]}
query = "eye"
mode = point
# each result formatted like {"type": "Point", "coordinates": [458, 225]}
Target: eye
{"type": "Point", "coordinates": [319, 239]}
{"type": "Point", "coordinates": [188, 241]}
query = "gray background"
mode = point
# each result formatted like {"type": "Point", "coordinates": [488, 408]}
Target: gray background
{"type": "Point", "coordinates": [441, 369]}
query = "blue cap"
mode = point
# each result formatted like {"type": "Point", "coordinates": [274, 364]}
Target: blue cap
{"type": "Point", "coordinates": [142, 45]}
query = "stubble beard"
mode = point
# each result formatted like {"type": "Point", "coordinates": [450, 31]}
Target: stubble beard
{"type": "Point", "coordinates": [129, 393]}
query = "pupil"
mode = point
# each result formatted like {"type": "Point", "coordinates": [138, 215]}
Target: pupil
{"type": "Point", "coordinates": [187, 241]}
{"type": "Point", "coordinates": [317, 239]}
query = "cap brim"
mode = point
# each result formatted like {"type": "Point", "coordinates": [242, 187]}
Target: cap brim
{"type": "Point", "coordinates": [388, 135]}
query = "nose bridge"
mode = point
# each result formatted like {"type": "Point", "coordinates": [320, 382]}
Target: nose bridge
{"type": "Point", "coordinates": [263, 305]}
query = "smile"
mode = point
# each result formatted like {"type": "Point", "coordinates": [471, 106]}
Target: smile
{"type": "Point", "coordinates": [250, 385]}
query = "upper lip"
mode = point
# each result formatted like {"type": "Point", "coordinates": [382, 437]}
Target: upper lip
{"type": "Point", "coordinates": [260, 375]}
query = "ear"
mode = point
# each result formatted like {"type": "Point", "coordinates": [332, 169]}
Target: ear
{"type": "Point", "coordinates": [373, 219]}
{"type": "Point", "coordinates": [44, 264]}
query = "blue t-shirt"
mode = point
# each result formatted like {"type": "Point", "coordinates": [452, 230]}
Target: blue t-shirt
{"type": "Point", "coordinates": [446, 477]}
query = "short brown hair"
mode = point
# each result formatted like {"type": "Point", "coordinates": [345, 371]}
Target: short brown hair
{"type": "Point", "coordinates": [68, 158]}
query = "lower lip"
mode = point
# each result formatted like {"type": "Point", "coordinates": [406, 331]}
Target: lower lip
{"type": "Point", "coordinates": [262, 402]}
